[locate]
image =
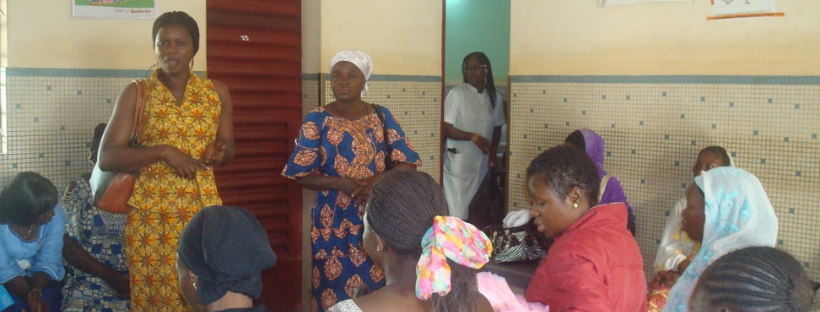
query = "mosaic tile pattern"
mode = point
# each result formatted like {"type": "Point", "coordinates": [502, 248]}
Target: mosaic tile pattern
{"type": "Point", "coordinates": [51, 122]}
{"type": "Point", "coordinates": [654, 130]}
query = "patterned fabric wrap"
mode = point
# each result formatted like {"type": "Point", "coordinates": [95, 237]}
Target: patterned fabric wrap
{"type": "Point", "coordinates": [448, 238]}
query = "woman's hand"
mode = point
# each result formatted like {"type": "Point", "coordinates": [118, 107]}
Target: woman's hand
{"type": "Point", "coordinates": [215, 153]}
{"type": "Point", "coordinates": [481, 142]}
{"type": "Point", "coordinates": [670, 279]}
{"type": "Point", "coordinates": [349, 186]}
{"type": "Point", "coordinates": [185, 165]}
{"type": "Point", "coordinates": [362, 193]}
{"type": "Point", "coordinates": [120, 284]}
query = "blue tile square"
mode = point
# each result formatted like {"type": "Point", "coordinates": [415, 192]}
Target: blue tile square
{"type": "Point", "coordinates": [435, 99]}
{"type": "Point", "coordinates": [423, 93]}
{"type": "Point", "coordinates": [643, 181]}
{"type": "Point", "coordinates": [734, 154]}
{"type": "Point", "coordinates": [641, 123]}
{"type": "Point", "coordinates": [628, 97]}
{"type": "Point", "coordinates": [48, 88]}
{"type": "Point", "coordinates": [543, 91]}
{"type": "Point", "coordinates": [532, 110]}
{"type": "Point", "coordinates": [608, 154]}
{"type": "Point", "coordinates": [798, 173]}
{"type": "Point", "coordinates": [657, 242]}
{"type": "Point", "coordinates": [17, 106]}
{"type": "Point", "coordinates": [785, 139]}
{"type": "Point", "coordinates": [666, 213]}
{"type": "Point", "coordinates": [79, 92]}
{"type": "Point", "coordinates": [770, 101]}
{"type": "Point", "coordinates": [796, 106]}
{"type": "Point", "coordinates": [405, 112]}
{"type": "Point", "coordinates": [814, 136]}
{"type": "Point", "coordinates": [87, 144]}
{"type": "Point", "coordinates": [515, 204]}
{"type": "Point", "coordinates": [414, 132]}
{"type": "Point", "coordinates": [763, 161]}
{"type": "Point", "coordinates": [62, 128]}
{"type": "Point", "coordinates": [422, 112]}
{"type": "Point", "coordinates": [567, 123]}
{"type": "Point", "coordinates": [515, 94]}
{"type": "Point", "coordinates": [780, 242]}
{"type": "Point", "coordinates": [388, 96]}
{"type": "Point", "coordinates": [613, 125]}
{"type": "Point", "coordinates": [36, 119]}
{"type": "Point", "coordinates": [633, 152]}
{"type": "Point", "coordinates": [703, 99]}
{"type": "Point", "coordinates": [583, 112]}
{"type": "Point", "coordinates": [677, 163]}
{"type": "Point", "coordinates": [694, 142]}
{"type": "Point", "coordinates": [525, 135]}
{"type": "Point", "coordinates": [791, 210]}
{"type": "Point", "coordinates": [540, 148]}
{"type": "Point", "coordinates": [666, 137]}
{"type": "Point", "coordinates": [518, 175]}
{"type": "Point", "coordinates": [603, 97]}
{"type": "Point", "coordinates": [714, 126]}
{"type": "Point", "coordinates": [67, 163]}
{"type": "Point", "coordinates": [682, 116]}
{"type": "Point", "coordinates": [42, 155]}
{"type": "Point", "coordinates": [403, 89]}
{"type": "Point", "coordinates": [432, 157]}
{"type": "Point", "coordinates": [14, 165]}
{"type": "Point", "coordinates": [546, 126]}
{"type": "Point", "coordinates": [806, 264]}
{"type": "Point", "coordinates": [683, 185]}
{"type": "Point", "coordinates": [565, 100]}
{"type": "Point", "coordinates": [731, 104]}
{"type": "Point", "coordinates": [754, 132]}
{"type": "Point", "coordinates": [663, 93]}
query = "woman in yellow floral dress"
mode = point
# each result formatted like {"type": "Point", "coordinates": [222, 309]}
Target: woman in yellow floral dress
{"type": "Point", "coordinates": [186, 128]}
{"type": "Point", "coordinates": [341, 153]}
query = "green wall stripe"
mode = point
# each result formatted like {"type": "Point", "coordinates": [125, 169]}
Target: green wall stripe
{"type": "Point", "coordinates": [80, 72]}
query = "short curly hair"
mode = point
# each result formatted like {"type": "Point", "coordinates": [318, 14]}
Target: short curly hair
{"type": "Point", "coordinates": [25, 198]}
{"type": "Point", "coordinates": [564, 167]}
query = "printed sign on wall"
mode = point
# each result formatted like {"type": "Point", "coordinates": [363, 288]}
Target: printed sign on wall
{"type": "Point", "coordinates": [115, 9]}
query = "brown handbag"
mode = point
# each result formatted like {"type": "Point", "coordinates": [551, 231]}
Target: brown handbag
{"type": "Point", "coordinates": [111, 190]}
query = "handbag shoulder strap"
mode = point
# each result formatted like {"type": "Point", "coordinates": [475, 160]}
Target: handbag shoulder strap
{"type": "Point", "coordinates": [384, 125]}
{"type": "Point", "coordinates": [602, 189]}
{"type": "Point", "coordinates": [142, 91]}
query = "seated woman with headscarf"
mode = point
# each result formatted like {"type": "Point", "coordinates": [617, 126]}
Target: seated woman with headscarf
{"type": "Point", "coordinates": [754, 279]}
{"type": "Point", "coordinates": [610, 189]}
{"type": "Point", "coordinates": [726, 209]}
{"type": "Point", "coordinates": [429, 259]}
{"type": "Point", "coordinates": [221, 255]}
{"type": "Point", "coordinates": [676, 249]}
{"type": "Point", "coordinates": [594, 263]}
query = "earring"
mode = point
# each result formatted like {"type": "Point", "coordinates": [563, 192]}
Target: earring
{"type": "Point", "coordinates": [575, 206]}
{"type": "Point", "coordinates": [192, 63]}
{"type": "Point", "coordinates": [378, 249]}
{"type": "Point", "coordinates": [194, 285]}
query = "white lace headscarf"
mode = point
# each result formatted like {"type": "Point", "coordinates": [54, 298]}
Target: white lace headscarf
{"type": "Point", "coordinates": [358, 58]}
{"type": "Point", "coordinates": [738, 214]}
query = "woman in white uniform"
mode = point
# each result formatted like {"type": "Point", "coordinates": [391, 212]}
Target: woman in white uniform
{"type": "Point", "coordinates": [473, 116]}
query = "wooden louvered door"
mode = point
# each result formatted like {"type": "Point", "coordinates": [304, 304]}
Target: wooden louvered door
{"type": "Point", "coordinates": [254, 47]}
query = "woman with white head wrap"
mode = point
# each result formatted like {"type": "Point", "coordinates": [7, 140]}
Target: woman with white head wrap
{"type": "Point", "coordinates": [727, 209]}
{"type": "Point", "coordinates": [343, 149]}
{"type": "Point", "coordinates": [676, 248]}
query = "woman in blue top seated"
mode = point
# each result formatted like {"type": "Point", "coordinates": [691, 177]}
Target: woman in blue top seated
{"type": "Point", "coordinates": [31, 243]}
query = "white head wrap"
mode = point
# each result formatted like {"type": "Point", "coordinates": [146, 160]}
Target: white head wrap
{"type": "Point", "coordinates": [358, 58]}
{"type": "Point", "coordinates": [738, 214]}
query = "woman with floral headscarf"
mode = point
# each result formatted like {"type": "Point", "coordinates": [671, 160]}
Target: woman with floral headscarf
{"type": "Point", "coordinates": [342, 151]}
{"type": "Point", "coordinates": [429, 259]}
{"type": "Point", "coordinates": [726, 209]}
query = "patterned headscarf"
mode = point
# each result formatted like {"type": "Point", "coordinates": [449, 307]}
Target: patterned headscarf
{"type": "Point", "coordinates": [358, 58]}
{"type": "Point", "coordinates": [448, 238]}
{"type": "Point", "coordinates": [738, 214]}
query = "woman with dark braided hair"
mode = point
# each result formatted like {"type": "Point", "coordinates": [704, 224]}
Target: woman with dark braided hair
{"type": "Point", "coordinates": [754, 279]}
{"type": "Point", "coordinates": [726, 209]}
{"type": "Point", "coordinates": [473, 116]}
{"type": "Point", "coordinates": [422, 251]}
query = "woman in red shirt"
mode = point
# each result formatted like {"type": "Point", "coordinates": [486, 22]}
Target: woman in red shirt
{"type": "Point", "coordinates": [595, 263]}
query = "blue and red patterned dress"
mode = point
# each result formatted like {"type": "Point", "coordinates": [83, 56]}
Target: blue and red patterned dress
{"type": "Point", "coordinates": [339, 147]}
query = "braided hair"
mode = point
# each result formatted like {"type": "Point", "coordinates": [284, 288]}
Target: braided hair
{"type": "Point", "coordinates": [564, 167]}
{"type": "Point", "coordinates": [483, 59]}
{"type": "Point", "coordinates": [757, 279]}
{"type": "Point", "coordinates": [400, 210]}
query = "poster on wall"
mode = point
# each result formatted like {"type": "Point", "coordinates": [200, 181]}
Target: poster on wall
{"type": "Point", "coordinates": [114, 9]}
{"type": "Point", "coordinates": [726, 7]}
{"type": "Point", "coordinates": [605, 3]}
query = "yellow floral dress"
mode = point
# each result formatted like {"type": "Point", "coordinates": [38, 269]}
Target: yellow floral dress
{"type": "Point", "coordinates": [163, 202]}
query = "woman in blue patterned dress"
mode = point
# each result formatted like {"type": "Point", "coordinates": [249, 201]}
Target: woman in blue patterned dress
{"type": "Point", "coordinates": [97, 272]}
{"type": "Point", "coordinates": [341, 153]}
